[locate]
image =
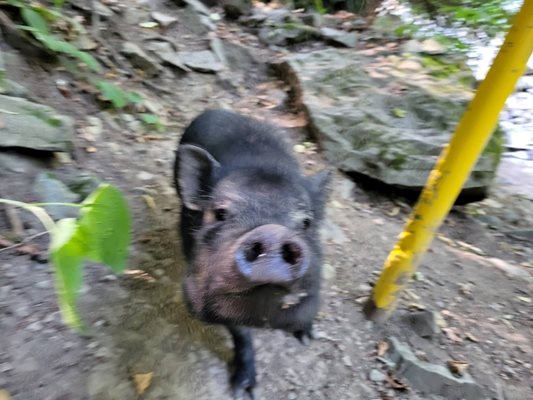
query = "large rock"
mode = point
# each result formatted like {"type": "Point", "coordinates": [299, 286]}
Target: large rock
{"type": "Point", "coordinates": [388, 117]}
{"type": "Point", "coordinates": [430, 378]}
{"type": "Point", "coordinates": [33, 126]}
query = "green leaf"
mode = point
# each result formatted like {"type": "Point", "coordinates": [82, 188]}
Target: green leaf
{"type": "Point", "coordinates": [134, 97]}
{"type": "Point", "coordinates": [59, 3]}
{"type": "Point", "coordinates": [154, 121]}
{"type": "Point", "coordinates": [88, 60]}
{"type": "Point", "coordinates": [399, 113]}
{"type": "Point", "coordinates": [35, 20]}
{"type": "Point", "coordinates": [67, 249]}
{"type": "Point", "coordinates": [105, 222]}
{"type": "Point", "coordinates": [113, 93]}
{"type": "Point", "coordinates": [60, 46]}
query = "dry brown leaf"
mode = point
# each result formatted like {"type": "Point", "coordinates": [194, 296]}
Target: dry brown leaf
{"type": "Point", "coordinates": [395, 211]}
{"type": "Point", "coordinates": [453, 334]}
{"type": "Point", "coordinates": [150, 202]}
{"type": "Point", "coordinates": [142, 382]}
{"type": "Point", "coordinates": [416, 306]}
{"type": "Point", "coordinates": [28, 249]}
{"type": "Point", "coordinates": [396, 383]}
{"type": "Point", "coordinates": [382, 348]}
{"type": "Point", "coordinates": [471, 337]}
{"type": "Point", "coordinates": [524, 299]}
{"type": "Point", "coordinates": [291, 120]}
{"type": "Point", "coordinates": [458, 367]}
{"type": "Point", "coordinates": [4, 395]}
{"type": "Point", "coordinates": [5, 243]}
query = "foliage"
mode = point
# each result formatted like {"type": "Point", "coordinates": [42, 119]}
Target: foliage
{"type": "Point", "coordinates": [116, 96]}
{"type": "Point", "coordinates": [101, 234]}
{"type": "Point", "coordinates": [153, 121]}
{"type": "Point", "coordinates": [38, 20]}
{"type": "Point", "coordinates": [488, 16]}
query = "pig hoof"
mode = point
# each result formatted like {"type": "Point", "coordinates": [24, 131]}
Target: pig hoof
{"type": "Point", "coordinates": [243, 383]}
{"type": "Point", "coordinates": [243, 390]}
{"type": "Point", "coordinates": [305, 335]}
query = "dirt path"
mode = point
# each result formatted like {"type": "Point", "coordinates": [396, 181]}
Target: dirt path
{"type": "Point", "coordinates": [138, 321]}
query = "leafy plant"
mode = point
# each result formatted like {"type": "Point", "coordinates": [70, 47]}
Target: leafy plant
{"type": "Point", "coordinates": [37, 20]}
{"type": "Point", "coordinates": [118, 97]}
{"type": "Point", "coordinates": [101, 234]}
{"type": "Point", "coordinates": [153, 121]}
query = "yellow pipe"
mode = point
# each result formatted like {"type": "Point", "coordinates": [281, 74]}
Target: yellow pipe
{"type": "Point", "coordinates": [454, 165]}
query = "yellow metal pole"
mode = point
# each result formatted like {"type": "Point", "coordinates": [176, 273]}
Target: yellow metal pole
{"type": "Point", "coordinates": [454, 165]}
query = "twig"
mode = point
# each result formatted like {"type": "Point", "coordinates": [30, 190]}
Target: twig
{"type": "Point", "coordinates": [95, 19]}
{"type": "Point", "coordinates": [14, 220]}
{"type": "Point", "coordinates": [26, 240]}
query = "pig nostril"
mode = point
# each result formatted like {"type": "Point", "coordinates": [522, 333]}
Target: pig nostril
{"type": "Point", "coordinates": [291, 253]}
{"type": "Point", "coordinates": [252, 252]}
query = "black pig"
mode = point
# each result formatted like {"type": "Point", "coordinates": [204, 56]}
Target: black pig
{"type": "Point", "coordinates": [249, 227]}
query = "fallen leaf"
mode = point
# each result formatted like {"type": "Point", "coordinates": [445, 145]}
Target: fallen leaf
{"type": "Point", "coordinates": [399, 113]}
{"type": "Point", "coordinates": [382, 348]}
{"type": "Point", "coordinates": [416, 306]}
{"type": "Point", "coordinates": [395, 211]}
{"type": "Point", "coordinates": [452, 334]}
{"type": "Point", "coordinates": [412, 295]}
{"type": "Point", "coordinates": [299, 148]}
{"type": "Point", "coordinates": [291, 120]}
{"type": "Point", "coordinates": [471, 337]}
{"type": "Point", "coordinates": [5, 243]}
{"type": "Point", "coordinates": [471, 248]}
{"type": "Point", "coordinates": [149, 24]}
{"type": "Point", "coordinates": [4, 395]}
{"type": "Point", "coordinates": [142, 382]}
{"type": "Point", "coordinates": [458, 367]}
{"type": "Point", "coordinates": [524, 299]}
{"type": "Point", "coordinates": [150, 202]}
{"type": "Point", "coordinates": [396, 384]}
{"type": "Point", "coordinates": [91, 149]}
{"type": "Point", "coordinates": [28, 249]}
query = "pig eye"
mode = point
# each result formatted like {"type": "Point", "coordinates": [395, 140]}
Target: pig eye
{"type": "Point", "coordinates": [306, 223]}
{"type": "Point", "coordinates": [221, 214]}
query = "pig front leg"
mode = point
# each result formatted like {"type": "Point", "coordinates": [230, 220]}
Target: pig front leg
{"type": "Point", "coordinates": [243, 377]}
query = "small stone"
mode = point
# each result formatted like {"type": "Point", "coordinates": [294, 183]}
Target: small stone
{"type": "Point", "coordinates": [35, 326]}
{"type": "Point", "coordinates": [198, 6]}
{"type": "Point", "coordinates": [108, 278]}
{"type": "Point", "coordinates": [5, 367]}
{"type": "Point", "coordinates": [347, 361]}
{"type": "Point", "coordinates": [377, 376]}
{"type": "Point", "coordinates": [163, 20]}
{"type": "Point", "coordinates": [140, 59]}
{"type": "Point", "coordinates": [431, 46]}
{"type": "Point", "coordinates": [145, 176]}
{"type": "Point", "coordinates": [410, 65]}
{"type": "Point", "coordinates": [201, 61]}
{"type": "Point", "coordinates": [348, 39]}
{"type": "Point", "coordinates": [51, 190]}
{"type": "Point", "coordinates": [43, 284]}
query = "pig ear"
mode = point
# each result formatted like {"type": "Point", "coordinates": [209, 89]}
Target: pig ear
{"type": "Point", "coordinates": [193, 169]}
{"type": "Point", "coordinates": [319, 188]}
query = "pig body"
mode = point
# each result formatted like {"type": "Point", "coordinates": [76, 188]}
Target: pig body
{"type": "Point", "coordinates": [249, 227]}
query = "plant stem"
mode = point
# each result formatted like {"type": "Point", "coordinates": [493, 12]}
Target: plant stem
{"type": "Point", "coordinates": [45, 219]}
{"type": "Point", "coordinates": [56, 204]}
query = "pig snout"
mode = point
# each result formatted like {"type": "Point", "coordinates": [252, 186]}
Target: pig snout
{"type": "Point", "coordinates": [271, 254]}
